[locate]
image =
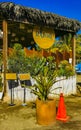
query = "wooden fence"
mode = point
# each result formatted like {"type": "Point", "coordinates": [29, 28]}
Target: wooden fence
{"type": "Point", "coordinates": [58, 56]}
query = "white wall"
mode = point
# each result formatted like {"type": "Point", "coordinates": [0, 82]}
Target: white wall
{"type": "Point", "coordinates": [68, 86]}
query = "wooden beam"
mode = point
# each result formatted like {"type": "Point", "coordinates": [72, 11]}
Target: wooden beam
{"type": "Point", "coordinates": [5, 48]}
{"type": "Point", "coordinates": [73, 50]}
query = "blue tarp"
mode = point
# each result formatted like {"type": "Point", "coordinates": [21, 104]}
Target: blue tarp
{"type": "Point", "coordinates": [78, 68]}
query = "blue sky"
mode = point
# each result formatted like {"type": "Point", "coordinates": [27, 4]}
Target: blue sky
{"type": "Point", "coordinates": [67, 8]}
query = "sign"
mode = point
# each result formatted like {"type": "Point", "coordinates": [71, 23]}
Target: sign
{"type": "Point", "coordinates": [70, 60]}
{"type": "Point", "coordinates": [43, 37]}
{"type": "Point", "coordinates": [11, 76]}
{"type": "Point", "coordinates": [24, 76]}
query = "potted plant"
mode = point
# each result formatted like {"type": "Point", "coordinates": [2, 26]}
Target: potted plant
{"type": "Point", "coordinates": [46, 107]}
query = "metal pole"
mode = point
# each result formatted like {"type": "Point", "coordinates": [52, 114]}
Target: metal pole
{"type": "Point", "coordinates": [24, 101]}
{"type": "Point", "coordinates": [24, 95]}
{"type": "Point", "coordinates": [12, 94]}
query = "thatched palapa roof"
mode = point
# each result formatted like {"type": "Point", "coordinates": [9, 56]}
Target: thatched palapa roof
{"type": "Point", "coordinates": [11, 11]}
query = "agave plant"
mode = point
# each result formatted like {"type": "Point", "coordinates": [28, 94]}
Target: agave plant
{"type": "Point", "coordinates": [43, 85]}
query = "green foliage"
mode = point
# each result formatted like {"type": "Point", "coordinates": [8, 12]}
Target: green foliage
{"type": "Point", "coordinates": [42, 86]}
{"type": "Point", "coordinates": [35, 64]}
{"type": "Point", "coordinates": [67, 39]}
{"type": "Point", "coordinates": [17, 60]}
{"type": "Point", "coordinates": [64, 43]}
{"type": "Point", "coordinates": [19, 63]}
{"type": "Point", "coordinates": [47, 77]}
{"type": "Point", "coordinates": [66, 69]}
{"type": "Point", "coordinates": [78, 47]}
{"type": "Point", "coordinates": [43, 70]}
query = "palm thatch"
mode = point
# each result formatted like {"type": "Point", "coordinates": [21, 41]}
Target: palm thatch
{"type": "Point", "coordinates": [11, 11]}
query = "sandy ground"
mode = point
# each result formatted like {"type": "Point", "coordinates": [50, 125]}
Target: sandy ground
{"type": "Point", "coordinates": [20, 117]}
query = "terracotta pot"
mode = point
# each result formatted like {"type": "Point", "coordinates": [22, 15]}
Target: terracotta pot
{"type": "Point", "coordinates": [46, 112]}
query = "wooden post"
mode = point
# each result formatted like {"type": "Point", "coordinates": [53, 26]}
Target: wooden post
{"type": "Point", "coordinates": [73, 50]}
{"type": "Point", "coordinates": [5, 44]}
{"type": "Point", "coordinates": [56, 58]}
{"type": "Point", "coordinates": [64, 57]}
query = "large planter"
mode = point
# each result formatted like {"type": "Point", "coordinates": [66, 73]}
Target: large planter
{"type": "Point", "coordinates": [46, 112]}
